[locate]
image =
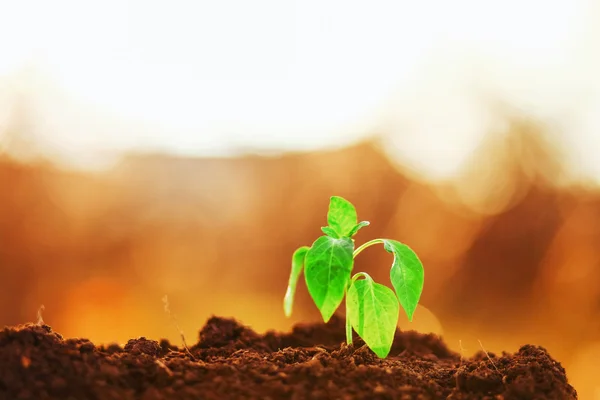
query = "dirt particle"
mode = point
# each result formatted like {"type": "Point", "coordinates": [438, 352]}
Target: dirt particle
{"type": "Point", "coordinates": [379, 389]}
{"type": "Point", "coordinates": [58, 383]}
{"type": "Point", "coordinates": [314, 364]}
{"type": "Point", "coordinates": [25, 361]}
{"type": "Point", "coordinates": [142, 346]}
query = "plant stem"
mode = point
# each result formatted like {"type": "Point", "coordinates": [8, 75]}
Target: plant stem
{"type": "Point", "coordinates": [365, 245]}
{"type": "Point", "coordinates": [348, 324]}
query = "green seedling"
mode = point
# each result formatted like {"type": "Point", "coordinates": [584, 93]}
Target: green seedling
{"type": "Point", "coordinates": [371, 308]}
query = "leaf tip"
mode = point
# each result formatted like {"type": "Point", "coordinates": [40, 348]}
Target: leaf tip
{"type": "Point", "coordinates": [382, 352]}
{"type": "Point", "coordinates": [357, 227]}
{"type": "Point", "coordinates": [410, 313]}
{"type": "Point", "coordinates": [287, 304]}
{"type": "Point", "coordinates": [326, 314]}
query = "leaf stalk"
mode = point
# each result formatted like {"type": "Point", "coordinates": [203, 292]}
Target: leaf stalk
{"type": "Point", "coordinates": [365, 245]}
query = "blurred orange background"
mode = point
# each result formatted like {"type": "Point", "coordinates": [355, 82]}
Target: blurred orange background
{"type": "Point", "coordinates": [103, 211]}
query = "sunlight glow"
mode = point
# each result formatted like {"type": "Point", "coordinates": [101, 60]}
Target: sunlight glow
{"type": "Point", "coordinates": [202, 77]}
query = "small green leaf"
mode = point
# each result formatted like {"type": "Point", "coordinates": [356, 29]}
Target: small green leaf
{"type": "Point", "coordinates": [341, 216]}
{"type": "Point", "coordinates": [407, 275]}
{"type": "Point", "coordinates": [327, 266]}
{"type": "Point", "coordinates": [297, 264]}
{"type": "Point", "coordinates": [357, 227]}
{"type": "Point", "coordinates": [330, 232]}
{"type": "Point", "coordinates": [373, 311]}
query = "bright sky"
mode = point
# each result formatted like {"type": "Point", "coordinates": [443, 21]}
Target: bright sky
{"type": "Point", "coordinates": [210, 77]}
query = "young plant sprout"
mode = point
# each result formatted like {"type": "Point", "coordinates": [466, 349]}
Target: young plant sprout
{"type": "Point", "coordinates": [371, 308]}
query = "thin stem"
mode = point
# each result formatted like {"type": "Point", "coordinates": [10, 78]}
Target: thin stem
{"type": "Point", "coordinates": [359, 274]}
{"type": "Point", "coordinates": [365, 245]}
{"type": "Point", "coordinates": [348, 325]}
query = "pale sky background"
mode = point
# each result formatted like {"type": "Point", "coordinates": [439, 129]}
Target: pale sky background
{"type": "Point", "coordinates": [214, 77]}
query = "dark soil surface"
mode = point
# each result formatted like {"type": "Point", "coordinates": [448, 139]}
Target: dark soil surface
{"type": "Point", "coordinates": [231, 361]}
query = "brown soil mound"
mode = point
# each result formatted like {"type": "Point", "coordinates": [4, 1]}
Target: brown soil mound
{"type": "Point", "coordinates": [233, 362]}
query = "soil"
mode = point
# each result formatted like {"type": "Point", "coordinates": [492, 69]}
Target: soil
{"type": "Point", "coordinates": [231, 361]}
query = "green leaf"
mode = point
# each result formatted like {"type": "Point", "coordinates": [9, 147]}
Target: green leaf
{"type": "Point", "coordinates": [373, 311]}
{"type": "Point", "coordinates": [327, 266]}
{"type": "Point", "coordinates": [330, 232]}
{"type": "Point", "coordinates": [357, 227]}
{"type": "Point", "coordinates": [407, 275]}
{"type": "Point", "coordinates": [297, 264]}
{"type": "Point", "coordinates": [341, 216]}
